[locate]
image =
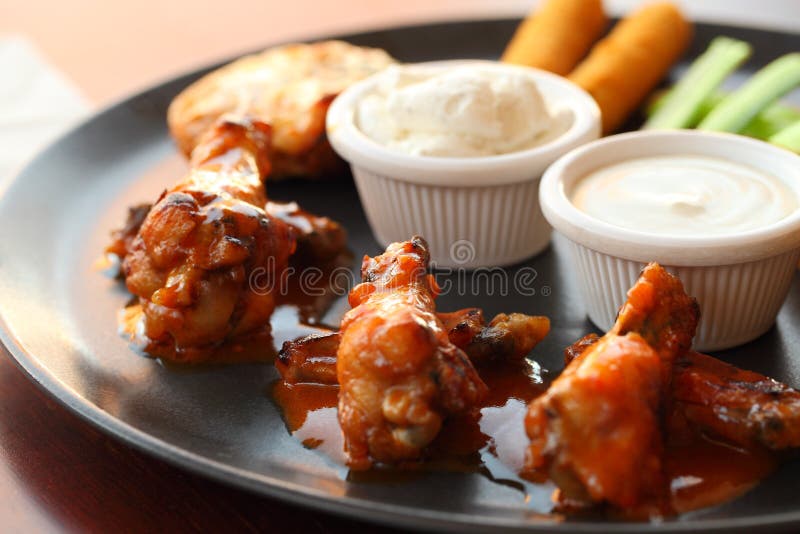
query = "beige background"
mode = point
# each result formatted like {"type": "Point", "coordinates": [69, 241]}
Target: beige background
{"type": "Point", "coordinates": [110, 48]}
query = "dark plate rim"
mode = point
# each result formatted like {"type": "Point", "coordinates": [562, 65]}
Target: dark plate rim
{"type": "Point", "coordinates": [352, 507]}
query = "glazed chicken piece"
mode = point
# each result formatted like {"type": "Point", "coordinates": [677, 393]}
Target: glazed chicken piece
{"type": "Point", "coordinates": [579, 347]}
{"type": "Point", "coordinates": [320, 240]}
{"type": "Point", "coordinates": [661, 312]}
{"type": "Point", "coordinates": [730, 404]}
{"type": "Point", "coordinates": [399, 374]}
{"type": "Point", "coordinates": [596, 432]}
{"type": "Point", "coordinates": [742, 407]}
{"type": "Point", "coordinates": [312, 359]}
{"type": "Point", "coordinates": [193, 259]}
{"type": "Point", "coordinates": [290, 88]}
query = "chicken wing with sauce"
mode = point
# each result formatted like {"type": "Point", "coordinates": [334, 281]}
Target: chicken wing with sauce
{"type": "Point", "coordinates": [193, 257]}
{"type": "Point", "coordinates": [399, 374]}
{"type": "Point", "coordinates": [743, 407]}
{"type": "Point", "coordinates": [715, 398]}
{"type": "Point", "coordinates": [597, 430]}
{"type": "Point", "coordinates": [312, 358]}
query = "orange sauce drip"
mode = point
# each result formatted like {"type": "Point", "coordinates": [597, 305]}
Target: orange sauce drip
{"type": "Point", "coordinates": [700, 472]}
{"type": "Point", "coordinates": [704, 473]}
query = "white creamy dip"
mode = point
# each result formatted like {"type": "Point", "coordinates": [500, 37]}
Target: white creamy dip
{"type": "Point", "coordinates": [466, 111]}
{"type": "Point", "coordinates": [684, 195]}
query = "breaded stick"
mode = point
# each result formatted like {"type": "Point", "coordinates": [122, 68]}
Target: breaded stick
{"type": "Point", "coordinates": [625, 66]}
{"type": "Point", "coordinates": [556, 36]}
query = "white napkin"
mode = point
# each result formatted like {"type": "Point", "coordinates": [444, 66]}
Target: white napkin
{"type": "Point", "coordinates": [37, 103]}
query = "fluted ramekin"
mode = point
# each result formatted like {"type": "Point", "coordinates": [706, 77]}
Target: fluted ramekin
{"type": "Point", "coordinates": [740, 280]}
{"type": "Point", "coordinates": [474, 211]}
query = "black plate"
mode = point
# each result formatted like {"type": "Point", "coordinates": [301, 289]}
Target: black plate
{"type": "Point", "coordinates": [58, 319]}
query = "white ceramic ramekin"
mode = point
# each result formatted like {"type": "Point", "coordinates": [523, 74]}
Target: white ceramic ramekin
{"type": "Point", "coordinates": [740, 280]}
{"type": "Point", "coordinates": [474, 211]}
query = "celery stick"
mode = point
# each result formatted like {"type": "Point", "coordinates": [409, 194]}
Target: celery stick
{"type": "Point", "coordinates": [767, 123]}
{"type": "Point", "coordinates": [683, 103]}
{"type": "Point", "coordinates": [764, 87]}
{"type": "Point", "coordinates": [788, 137]}
{"type": "Point", "coordinates": [771, 120]}
{"type": "Point", "coordinates": [657, 102]}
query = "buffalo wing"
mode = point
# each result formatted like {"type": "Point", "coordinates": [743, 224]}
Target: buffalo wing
{"type": "Point", "coordinates": [399, 374]}
{"type": "Point", "coordinates": [597, 430]}
{"type": "Point", "coordinates": [507, 337]}
{"type": "Point", "coordinates": [192, 260]}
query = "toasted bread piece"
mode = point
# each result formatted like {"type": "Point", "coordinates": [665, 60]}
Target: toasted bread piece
{"type": "Point", "coordinates": [290, 87]}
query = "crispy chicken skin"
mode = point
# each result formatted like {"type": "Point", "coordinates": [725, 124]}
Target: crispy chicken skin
{"type": "Point", "coordinates": [597, 430]}
{"type": "Point", "coordinates": [312, 358]}
{"type": "Point", "coordinates": [399, 374]}
{"type": "Point", "coordinates": [288, 87]}
{"type": "Point", "coordinates": [506, 337]}
{"type": "Point", "coordinates": [579, 347]}
{"type": "Point", "coordinates": [192, 259]}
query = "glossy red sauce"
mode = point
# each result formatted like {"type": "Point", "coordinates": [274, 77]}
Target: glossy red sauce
{"type": "Point", "coordinates": [704, 473]}
{"type": "Point", "coordinates": [701, 472]}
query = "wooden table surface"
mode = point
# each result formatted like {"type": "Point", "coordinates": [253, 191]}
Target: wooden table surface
{"type": "Point", "coordinates": [58, 473]}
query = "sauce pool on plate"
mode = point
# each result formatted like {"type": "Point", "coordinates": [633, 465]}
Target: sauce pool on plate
{"type": "Point", "coordinates": [699, 472]}
{"type": "Point", "coordinates": [684, 195]}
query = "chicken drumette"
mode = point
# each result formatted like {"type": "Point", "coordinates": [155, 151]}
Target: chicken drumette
{"type": "Point", "coordinates": [597, 430]}
{"type": "Point", "coordinates": [193, 260]}
{"type": "Point", "coordinates": [399, 374]}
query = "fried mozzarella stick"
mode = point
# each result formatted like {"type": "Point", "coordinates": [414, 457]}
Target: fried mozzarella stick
{"type": "Point", "coordinates": [624, 67]}
{"type": "Point", "coordinates": [507, 337]}
{"type": "Point", "coordinates": [596, 432]}
{"type": "Point", "coordinates": [557, 35]}
{"type": "Point", "coordinates": [399, 374]}
{"type": "Point", "coordinates": [191, 260]}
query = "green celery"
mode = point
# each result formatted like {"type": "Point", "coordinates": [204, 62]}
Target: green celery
{"type": "Point", "coordinates": [683, 104]}
{"type": "Point", "coordinates": [771, 120]}
{"type": "Point", "coordinates": [789, 137]}
{"type": "Point", "coordinates": [763, 88]}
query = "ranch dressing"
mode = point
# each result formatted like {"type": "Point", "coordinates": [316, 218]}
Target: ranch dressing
{"type": "Point", "coordinates": [466, 111]}
{"type": "Point", "coordinates": [684, 195]}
